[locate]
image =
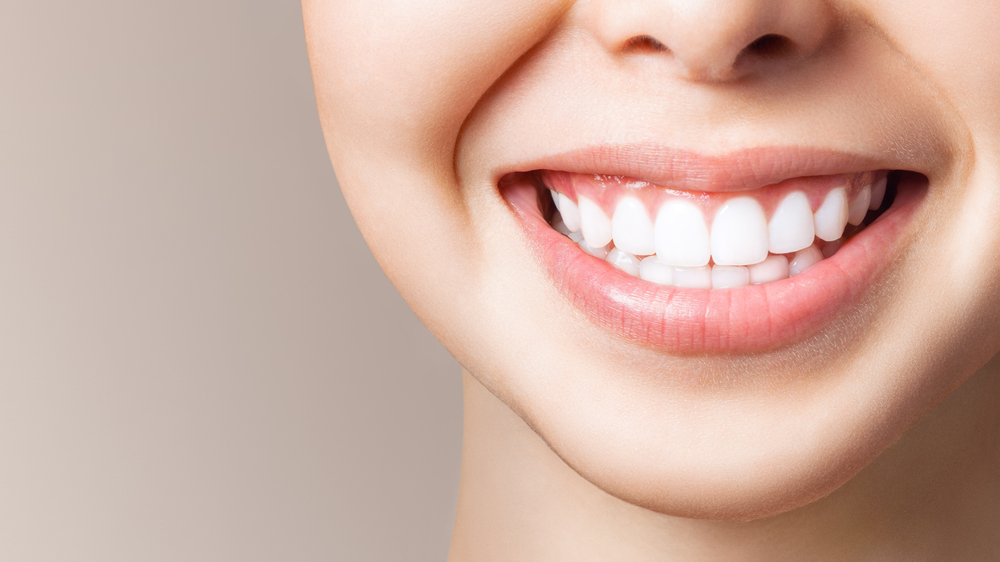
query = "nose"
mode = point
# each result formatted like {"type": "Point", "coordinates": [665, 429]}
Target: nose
{"type": "Point", "coordinates": [714, 40]}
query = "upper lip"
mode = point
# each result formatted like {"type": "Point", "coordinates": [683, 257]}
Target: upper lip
{"type": "Point", "coordinates": [680, 169]}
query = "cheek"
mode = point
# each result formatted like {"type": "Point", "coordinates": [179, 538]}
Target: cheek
{"type": "Point", "coordinates": [395, 82]}
{"type": "Point", "coordinates": [969, 270]}
{"type": "Point", "coordinates": [400, 77]}
{"type": "Point", "coordinates": [958, 45]}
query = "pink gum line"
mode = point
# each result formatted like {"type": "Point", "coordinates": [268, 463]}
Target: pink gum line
{"type": "Point", "coordinates": [607, 190]}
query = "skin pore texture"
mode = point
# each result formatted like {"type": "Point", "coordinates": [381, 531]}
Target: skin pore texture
{"type": "Point", "coordinates": [865, 426]}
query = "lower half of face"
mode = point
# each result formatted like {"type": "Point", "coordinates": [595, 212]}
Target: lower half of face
{"type": "Point", "coordinates": [718, 259]}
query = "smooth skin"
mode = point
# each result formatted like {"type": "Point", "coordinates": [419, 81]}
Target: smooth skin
{"type": "Point", "coordinates": [581, 445]}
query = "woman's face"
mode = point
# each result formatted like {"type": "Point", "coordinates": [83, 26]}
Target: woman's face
{"type": "Point", "coordinates": [729, 140]}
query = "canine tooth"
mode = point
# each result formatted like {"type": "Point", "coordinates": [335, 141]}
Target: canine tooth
{"type": "Point", "coordinates": [560, 226]}
{"type": "Point", "coordinates": [631, 228]}
{"type": "Point", "coordinates": [791, 227]}
{"type": "Point", "coordinates": [804, 259]}
{"type": "Point", "coordinates": [693, 277]}
{"type": "Point", "coordinates": [728, 276]}
{"type": "Point", "coordinates": [595, 224]}
{"type": "Point", "coordinates": [569, 211]}
{"type": "Point", "coordinates": [555, 198]}
{"type": "Point", "coordinates": [598, 252]}
{"type": "Point", "coordinates": [681, 237]}
{"type": "Point", "coordinates": [831, 217]}
{"type": "Point", "coordinates": [859, 208]}
{"type": "Point", "coordinates": [878, 193]}
{"type": "Point", "coordinates": [624, 261]}
{"type": "Point", "coordinates": [774, 268]}
{"type": "Point", "coordinates": [739, 233]}
{"type": "Point", "coordinates": [655, 271]}
{"type": "Point", "coordinates": [575, 236]}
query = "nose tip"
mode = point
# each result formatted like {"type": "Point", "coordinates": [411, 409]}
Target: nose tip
{"type": "Point", "coordinates": [714, 40]}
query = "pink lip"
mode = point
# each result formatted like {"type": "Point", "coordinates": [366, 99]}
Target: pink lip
{"type": "Point", "coordinates": [672, 168]}
{"type": "Point", "coordinates": [690, 321]}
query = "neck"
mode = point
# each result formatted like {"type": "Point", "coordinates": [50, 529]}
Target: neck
{"type": "Point", "coordinates": [933, 495]}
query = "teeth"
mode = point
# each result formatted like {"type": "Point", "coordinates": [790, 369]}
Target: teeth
{"type": "Point", "coordinates": [595, 224]}
{"type": "Point", "coordinates": [804, 259]}
{"type": "Point", "coordinates": [774, 268]}
{"type": "Point", "coordinates": [631, 227]}
{"type": "Point", "coordinates": [791, 228]}
{"type": "Point", "coordinates": [859, 208]}
{"type": "Point", "coordinates": [569, 211]}
{"type": "Point", "coordinates": [693, 277]}
{"type": "Point", "coordinates": [555, 198]}
{"type": "Point", "coordinates": [727, 276]}
{"type": "Point", "coordinates": [655, 271]}
{"type": "Point", "coordinates": [624, 261]}
{"type": "Point", "coordinates": [831, 217]}
{"type": "Point", "coordinates": [681, 237]}
{"type": "Point", "coordinates": [739, 233]}
{"type": "Point", "coordinates": [739, 247]}
{"type": "Point", "coordinates": [560, 226]}
{"type": "Point", "coordinates": [878, 193]}
{"type": "Point", "coordinates": [598, 252]}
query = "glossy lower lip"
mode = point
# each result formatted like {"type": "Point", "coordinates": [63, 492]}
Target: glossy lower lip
{"type": "Point", "coordinates": [689, 321]}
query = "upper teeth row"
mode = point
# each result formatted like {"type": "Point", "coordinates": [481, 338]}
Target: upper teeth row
{"type": "Point", "coordinates": [740, 233]}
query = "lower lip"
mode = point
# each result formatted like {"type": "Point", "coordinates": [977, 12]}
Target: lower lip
{"type": "Point", "coordinates": [688, 321]}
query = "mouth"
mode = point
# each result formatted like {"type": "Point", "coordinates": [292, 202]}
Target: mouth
{"type": "Point", "coordinates": [719, 268]}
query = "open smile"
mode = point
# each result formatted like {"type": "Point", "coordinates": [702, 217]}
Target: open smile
{"type": "Point", "coordinates": [727, 267]}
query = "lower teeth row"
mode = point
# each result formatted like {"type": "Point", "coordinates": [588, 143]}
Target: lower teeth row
{"type": "Point", "coordinates": [649, 268]}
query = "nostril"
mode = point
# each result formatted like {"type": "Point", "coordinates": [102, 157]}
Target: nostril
{"type": "Point", "coordinates": [644, 44]}
{"type": "Point", "coordinates": [770, 45]}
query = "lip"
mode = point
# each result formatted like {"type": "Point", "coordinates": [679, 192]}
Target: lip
{"type": "Point", "coordinates": [692, 321]}
{"type": "Point", "coordinates": [741, 170]}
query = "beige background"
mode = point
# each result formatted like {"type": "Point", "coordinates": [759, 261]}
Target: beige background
{"type": "Point", "coordinates": [199, 359]}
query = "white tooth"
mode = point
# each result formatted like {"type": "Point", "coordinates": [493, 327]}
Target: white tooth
{"type": "Point", "coordinates": [555, 198]}
{"type": "Point", "coordinates": [680, 234]}
{"type": "Point", "coordinates": [859, 208]}
{"type": "Point", "coordinates": [631, 227]}
{"type": "Point", "coordinates": [560, 226]}
{"type": "Point", "coordinates": [728, 276]}
{"type": "Point", "coordinates": [693, 277]}
{"type": "Point", "coordinates": [624, 261]}
{"type": "Point", "coordinates": [598, 252]}
{"type": "Point", "coordinates": [774, 268]}
{"type": "Point", "coordinates": [739, 233]}
{"type": "Point", "coordinates": [804, 259]}
{"type": "Point", "coordinates": [595, 224]}
{"type": "Point", "coordinates": [878, 193]}
{"type": "Point", "coordinates": [831, 217]}
{"type": "Point", "coordinates": [569, 211]}
{"type": "Point", "coordinates": [575, 236]}
{"type": "Point", "coordinates": [831, 247]}
{"type": "Point", "coordinates": [791, 227]}
{"type": "Point", "coordinates": [655, 271]}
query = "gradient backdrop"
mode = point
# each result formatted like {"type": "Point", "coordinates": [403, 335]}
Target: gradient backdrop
{"type": "Point", "coordinates": [199, 359]}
